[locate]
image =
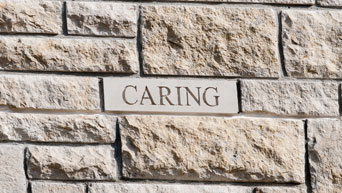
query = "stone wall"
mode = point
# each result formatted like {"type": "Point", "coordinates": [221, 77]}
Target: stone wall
{"type": "Point", "coordinates": [284, 55]}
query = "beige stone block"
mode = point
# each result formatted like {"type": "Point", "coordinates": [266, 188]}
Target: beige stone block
{"type": "Point", "coordinates": [71, 163]}
{"type": "Point", "coordinates": [213, 149]}
{"type": "Point", "coordinates": [312, 43]}
{"type": "Point", "coordinates": [330, 3]}
{"type": "Point", "coordinates": [102, 19]}
{"type": "Point", "coordinates": [316, 98]}
{"type": "Point", "coordinates": [325, 155]}
{"type": "Point", "coordinates": [57, 128]}
{"type": "Point", "coordinates": [49, 92]}
{"type": "Point", "coordinates": [29, 16]}
{"type": "Point", "coordinates": [57, 187]}
{"type": "Point", "coordinates": [68, 55]}
{"type": "Point", "coordinates": [209, 41]}
{"type": "Point", "coordinates": [165, 188]}
{"type": "Point", "coordinates": [12, 174]}
{"type": "Point", "coordinates": [295, 189]}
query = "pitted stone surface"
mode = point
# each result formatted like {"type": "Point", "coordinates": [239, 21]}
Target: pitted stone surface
{"type": "Point", "coordinates": [316, 98]}
{"type": "Point", "coordinates": [208, 41]}
{"type": "Point", "coordinates": [325, 155]}
{"type": "Point", "coordinates": [54, 187]}
{"type": "Point", "coordinates": [165, 188]}
{"type": "Point", "coordinates": [49, 92]}
{"type": "Point", "coordinates": [12, 174]}
{"type": "Point", "coordinates": [57, 128]}
{"type": "Point", "coordinates": [103, 19]}
{"type": "Point", "coordinates": [68, 54]}
{"type": "Point", "coordinates": [330, 2]}
{"type": "Point", "coordinates": [312, 43]}
{"type": "Point", "coordinates": [71, 163]}
{"type": "Point", "coordinates": [30, 16]}
{"type": "Point", "coordinates": [212, 149]}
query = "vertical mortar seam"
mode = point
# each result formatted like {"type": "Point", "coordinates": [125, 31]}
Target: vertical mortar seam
{"type": "Point", "coordinates": [307, 160]}
{"type": "Point", "coordinates": [280, 46]}
{"type": "Point", "coordinates": [139, 43]}
{"type": "Point", "coordinates": [64, 19]}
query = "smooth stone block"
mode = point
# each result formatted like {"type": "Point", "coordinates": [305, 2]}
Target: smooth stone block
{"type": "Point", "coordinates": [170, 95]}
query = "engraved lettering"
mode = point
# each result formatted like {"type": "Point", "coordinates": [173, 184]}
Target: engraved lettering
{"type": "Point", "coordinates": [205, 97]}
{"type": "Point", "coordinates": [162, 95]}
{"type": "Point", "coordinates": [197, 99]}
{"type": "Point", "coordinates": [124, 95]}
{"type": "Point", "coordinates": [149, 96]}
{"type": "Point", "coordinates": [179, 96]}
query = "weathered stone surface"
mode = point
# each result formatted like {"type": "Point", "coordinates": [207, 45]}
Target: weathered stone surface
{"type": "Point", "coordinates": [53, 187]}
{"type": "Point", "coordinates": [68, 54]}
{"type": "Point", "coordinates": [49, 92]}
{"type": "Point", "coordinates": [325, 155]}
{"type": "Point", "coordinates": [290, 97]}
{"type": "Point", "coordinates": [294, 2]}
{"type": "Point", "coordinates": [330, 2]}
{"type": "Point", "coordinates": [299, 189]}
{"type": "Point", "coordinates": [165, 188]}
{"type": "Point", "coordinates": [71, 163]}
{"type": "Point", "coordinates": [30, 16]}
{"type": "Point", "coordinates": [12, 174]}
{"type": "Point", "coordinates": [57, 128]}
{"type": "Point", "coordinates": [312, 43]}
{"type": "Point", "coordinates": [209, 41]}
{"type": "Point", "coordinates": [213, 149]}
{"type": "Point", "coordinates": [103, 19]}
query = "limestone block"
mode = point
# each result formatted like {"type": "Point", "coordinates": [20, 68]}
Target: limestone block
{"type": "Point", "coordinates": [212, 149]}
{"type": "Point", "coordinates": [316, 98]}
{"type": "Point", "coordinates": [55, 187]}
{"type": "Point", "coordinates": [102, 19]}
{"type": "Point", "coordinates": [12, 174]}
{"type": "Point", "coordinates": [68, 54]}
{"type": "Point", "coordinates": [165, 188]}
{"type": "Point", "coordinates": [71, 163]}
{"type": "Point", "coordinates": [49, 92]}
{"type": "Point", "coordinates": [30, 16]}
{"type": "Point", "coordinates": [312, 43]}
{"type": "Point", "coordinates": [330, 3]}
{"type": "Point", "coordinates": [325, 155]}
{"type": "Point", "coordinates": [57, 128]}
{"type": "Point", "coordinates": [209, 41]}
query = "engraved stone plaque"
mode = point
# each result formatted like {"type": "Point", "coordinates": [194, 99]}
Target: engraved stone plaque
{"type": "Point", "coordinates": [170, 95]}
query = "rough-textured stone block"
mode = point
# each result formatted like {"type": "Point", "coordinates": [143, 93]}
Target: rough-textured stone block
{"type": "Point", "coordinates": [209, 41]}
{"type": "Point", "coordinates": [312, 43]}
{"type": "Point", "coordinates": [292, 2]}
{"type": "Point", "coordinates": [165, 188]}
{"type": "Point", "coordinates": [103, 19]}
{"type": "Point", "coordinates": [213, 149]}
{"type": "Point", "coordinates": [12, 174]}
{"type": "Point", "coordinates": [57, 128]}
{"type": "Point", "coordinates": [71, 163]}
{"type": "Point", "coordinates": [53, 187]}
{"type": "Point", "coordinates": [290, 97]}
{"type": "Point", "coordinates": [49, 92]}
{"type": "Point", "coordinates": [331, 3]}
{"type": "Point", "coordinates": [68, 54]}
{"type": "Point", "coordinates": [30, 17]}
{"type": "Point", "coordinates": [325, 155]}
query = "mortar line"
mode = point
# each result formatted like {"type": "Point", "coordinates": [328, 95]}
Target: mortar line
{"type": "Point", "coordinates": [64, 19]}
{"type": "Point", "coordinates": [280, 46]}
{"type": "Point", "coordinates": [139, 43]}
{"type": "Point", "coordinates": [307, 160]}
